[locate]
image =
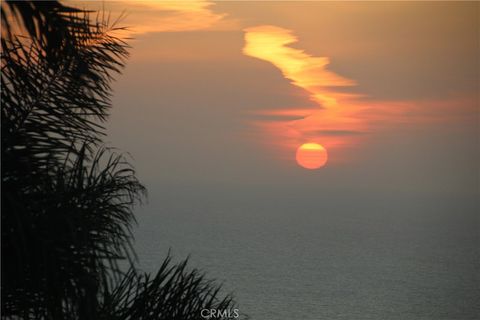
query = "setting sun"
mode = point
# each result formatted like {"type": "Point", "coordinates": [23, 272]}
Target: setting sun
{"type": "Point", "coordinates": [311, 156]}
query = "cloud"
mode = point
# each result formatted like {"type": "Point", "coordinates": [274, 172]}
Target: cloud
{"type": "Point", "coordinates": [166, 16]}
{"type": "Point", "coordinates": [281, 115]}
{"type": "Point", "coordinates": [336, 132]}
{"type": "Point", "coordinates": [178, 16]}
{"type": "Point", "coordinates": [270, 43]}
{"type": "Point", "coordinates": [335, 121]}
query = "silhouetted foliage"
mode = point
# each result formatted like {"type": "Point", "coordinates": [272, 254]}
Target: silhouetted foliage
{"type": "Point", "coordinates": [66, 218]}
{"type": "Point", "coordinates": [173, 293]}
{"type": "Point", "coordinates": [49, 23]}
{"type": "Point", "coordinates": [66, 200]}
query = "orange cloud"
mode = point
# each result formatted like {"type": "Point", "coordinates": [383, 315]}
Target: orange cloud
{"type": "Point", "coordinates": [175, 16]}
{"type": "Point", "coordinates": [270, 43]}
{"type": "Point", "coordinates": [336, 121]}
{"type": "Point", "coordinates": [164, 16]}
{"type": "Point", "coordinates": [341, 120]}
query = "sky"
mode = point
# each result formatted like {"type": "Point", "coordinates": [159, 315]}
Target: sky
{"type": "Point", "coordinates": [224, 93]}
{"type": "Point", "coordinates": [216, 99]}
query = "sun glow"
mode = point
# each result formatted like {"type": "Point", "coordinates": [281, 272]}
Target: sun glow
{"type": "Point", "coordinates": [311, 156]}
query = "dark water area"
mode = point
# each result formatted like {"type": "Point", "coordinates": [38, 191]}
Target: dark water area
{"type": "Point", "coordinates": [321, 257]}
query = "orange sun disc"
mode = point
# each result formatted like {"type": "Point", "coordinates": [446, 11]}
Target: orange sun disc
{"type": "Point", "coordinates": [311, 155]}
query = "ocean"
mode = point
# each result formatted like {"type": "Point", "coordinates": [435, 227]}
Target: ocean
{"type": "Point", "coordinates": [285, 255]}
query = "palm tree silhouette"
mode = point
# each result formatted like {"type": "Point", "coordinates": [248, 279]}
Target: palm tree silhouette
{"type": "Point", "coordinates": [67, 200]}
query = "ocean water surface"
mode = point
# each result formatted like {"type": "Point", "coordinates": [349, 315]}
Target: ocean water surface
{"type": "Point", "coordinates": [305, 257]}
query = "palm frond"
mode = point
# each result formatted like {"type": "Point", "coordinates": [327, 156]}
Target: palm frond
{"type": "Point", "coordinates": [49, 109]}
{"type": "Point", "coordinates": [68, 233]}
{"type": "Point", "coordinates": [174, 293]}
{"type": "Point", "coordinates": [67, 201]}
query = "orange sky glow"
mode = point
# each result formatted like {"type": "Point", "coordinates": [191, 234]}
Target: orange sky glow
{"type": "Point", "coordinates": [348, 83]}
{"type": "Point", "coordinates": [162, 16]}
